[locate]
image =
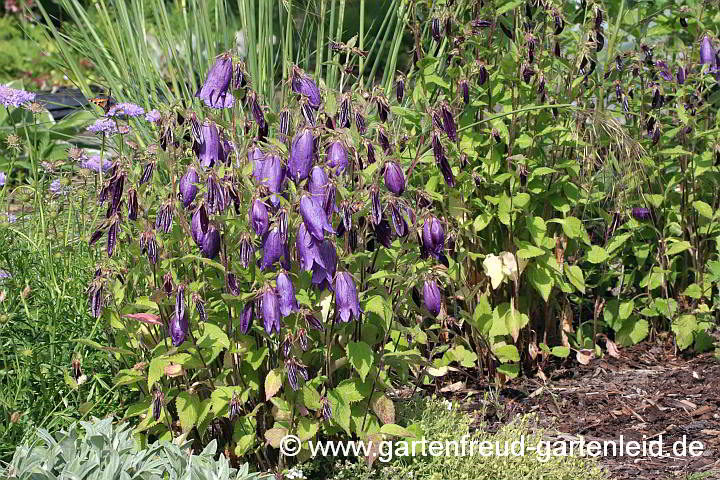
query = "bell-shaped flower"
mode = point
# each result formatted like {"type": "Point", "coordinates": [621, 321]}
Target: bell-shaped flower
{"type": "Point", "coordinates": [432, 296]}
{"type": "Point", "coordinates": [317, 185]}
{"type": "Point", "coordinates": [199, 225]}
{"type": "Point", "coordinates": [394, 178]}
{"type": "Point", "coordinates": [188, 187]}
{"type": "Point", "coordinates": [257, 158]}
{"type": "Point", "coordinates": [314, 218]}
{"type": "Point", "coordinates": [433, 236]}
{"type": "Point", "coordinates": [337, 157]}
{"type": "Point", "coordinates": [303, 84]}
{"type": "Point", "coordinates": [214, 92]}
{"type": "Point", "coordinates": [271, 311]}
{"type": "Point", "coordinates": [211, 242]}
{"type": "Point", "coordinates": [275, 249]}
{"type": "Point", "coordinates": [347, 305]}
{"type": "Point", "coordinates": [707, 52]}
{"type": "Point", "coordinates": [286, 294]}
{"type": "Point", "coordinates": [178, 327]}
{"type": "Point", "coordinates": [246, 317]}
{"type": "Point", "coordinates": [301, 155]}
{"type": "Point", "coordinates": [259, 217]}
{"type": "Point", "coordinates": [208, 147]}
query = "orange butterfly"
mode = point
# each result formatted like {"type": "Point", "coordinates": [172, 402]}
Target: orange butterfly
{"type": "Point", "coordinates": [104, 102]}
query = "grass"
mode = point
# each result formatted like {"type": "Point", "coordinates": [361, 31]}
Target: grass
{"type": "Point", "coordinates": [43, 313]}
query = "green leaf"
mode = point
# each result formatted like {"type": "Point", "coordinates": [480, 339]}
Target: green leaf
{"type": "Point", "coordinates": [508, 6]}
{"type": "Point", "coordinates": [511, 370]}
{"type": "Point", "coordinates": [361, 357]}
{"type": "Point", "coordinates": [597, 254]}
{"type": "Point", "coordinates": [560, 352]}
{"type": "Point", "coordinates": [256, 357]}
{"type": "Point", "coordinates": [632, 332]}
{"type": "Point", "coordinates": [156, 370]}
{"type": "Point", "coordinates": [353, 390]}
{"type": "Point", "coordinates": [396, 430]}
{"type": "Point", "coordinates": [482, 221]}
{"type": "Point", "coordinates": [381, 307]}
{"type": "Point", "coordinates": [221, 396]}
{"type": "Point", "coordinates": [507, 353]}
{"type": "Point", "coordinates": [188, 409]}
{"type": "Point", "coordinates": [576, 277]}
{"type": "Point", "coordinates": [273, 382]}
{"type": "Point", "coordinates": [275, 435]}
{"type": "Point", "coordinates": [340, 410]}
{"type": "Point", "coordinates": [540, 278]}
{"type": "Point", "coordinates": [678, 247]}
{"type": "Point", "coordinates": [684, 329]}
{"type": "Point", "coordinates": [306, 428]}
{"type": "Point", "coordinates": [703, 209]}
{"type": "Point", "coordinates": [311, 398]}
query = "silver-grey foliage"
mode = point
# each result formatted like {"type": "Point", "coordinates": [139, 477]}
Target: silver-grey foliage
{"type": "Point", "coordinates": [99, 450]}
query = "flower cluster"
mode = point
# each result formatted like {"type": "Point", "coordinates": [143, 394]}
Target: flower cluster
{"type": "Point", "coordinates": [13, 97]}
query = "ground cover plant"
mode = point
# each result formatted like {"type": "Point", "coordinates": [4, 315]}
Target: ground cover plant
{"type": "Point", "coordinates": [287, 235]}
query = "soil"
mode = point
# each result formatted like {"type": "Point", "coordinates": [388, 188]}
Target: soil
{"type": "Point", "coordinates": [648, 392]}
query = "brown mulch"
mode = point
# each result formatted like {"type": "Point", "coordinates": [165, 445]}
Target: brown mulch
{"type": "Point", "coordinates": [648, 392]}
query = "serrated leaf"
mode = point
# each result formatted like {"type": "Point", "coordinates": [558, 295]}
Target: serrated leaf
{"type": "Point", "coordinates": [188, 409]}
{"type": "Point", "coordinates": [156, 370]}
{"type": "Point", "coordinates": [273, 382]}
{"type": "Point", "coordinates": [597, 254]}
{"type": "Point", "coordinates": [274, 436]}
{"type": "Point", "coordinates": [507, 353]}
{"type": "Point", "coordinates": [306, 428]}
{"type": "Point", "coordinates": [576, 277]}
{"type": "Point", "coordinates": [384, 408]}
{"type": "Point", "coordinates": [340, 410]}
{"type": "Point", "coordinates": [361, 357]}
{"type": "Point", "coordinates": [396, 430]}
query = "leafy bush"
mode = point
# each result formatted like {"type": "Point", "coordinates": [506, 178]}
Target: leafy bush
{"type": "Point", "coordinates": [436, 420]}
{"type": "Point", "coordinates": [101, 450]}
{"type": "Point", "coordinates": [547, 188]}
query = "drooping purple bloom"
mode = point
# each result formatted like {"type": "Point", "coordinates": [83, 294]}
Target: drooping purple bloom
{"type": "Point", "coordinates": [211, 242]}
{"type": "Point", "coordinates": [303, 84]}
{"type": "Point", "coordinates": [448, 122]}
{"type": "Point", "coordinates": [375, 206]}
{"type": "Point", "coordinates": [317, 185]}
{"type": "Point", "coordinates": [314, 218]}
{"type": "Point", "coordinates": [214, 92]}
{"type": "Point", "coordinates": [216, 195]}
{"type": "Point", "coordinates": [370, 151]}
{"type": "Point", "coordinates": [707, 52]}
{"type": "Point", "coordinates": [275, 249]}
{"type": "Point", "coordinates": [329, 202]}
{"type": "Point", "coordinates": [158, 404]}
{"type": "Point", "coordinates": [464, 88]}
{"type": "Point", "coordinates": [301, 155]}
{"type": "Point", "coordinates": [664, 70]}
{"type": "Point", "coordinates": [681, 75]}
{"type": "Point", "coordinates": [308, 249]}
{"type": "Point", "coordinates": [383, 233]}
{"type": "Point", "coordinates": [13, 97]}
{"type": "Point", "coordinates": [179, 327]}
{"type": "Point", "coordinates": [132, 204]}
{"type": "Point", "coordinates": [257, 158]}
{"type": "Point", "coordinates": [433, 236]}
{"type": "Point", "coordinates": [344, 112]}
{"type": "Point", "coordinates": [2, 179]}
{"type": "Point", "coordinates": [208, 147]}
{"type": "Point", "coordinates": [274, 174]}
{"type": "Point", "coordinates": [360, 123]}
{"type": "Point", "coordinates": [326, 409]}
{"type": "Point", "coordinates": [232, 285]}
{"type": "Point", "coordinates": [401, 226]}
{"type": "Point", "coordinates": [247, 251]}
{"type": "Point", "coordinates": [641, 213]}
{"type": "Point", "coordinates": [246, 316]}
{"type": "Point", "coordinates": [286, 294]}
{"type": "Point", "coordinates": [188, 187]}
{"type": "Point", "coordinates": [270, 311]}
{"type": "Point", "coordinates": [125, 108]}
{"type": "Point", "coordinates": [199, 225]}
{"type": "Point", "coordinates": [432, 297]}
{"type": "Point", "coordinates": [95, 293]}
{"type": "Point", "coordinates": [394, 178]}
{"type": "Point", "coordinates": [259, 217]}
{"type": "Point", "coordinates": [337, 157]}
{"type": "Point", "coordinates": [347, 305]}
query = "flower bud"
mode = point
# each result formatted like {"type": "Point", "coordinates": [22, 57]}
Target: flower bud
{"type": "Point", "coordinates": [301, 155]}
{"type": "Point", "coordinates": [211, 242]}
{"type": "Point", "coordinates": [132, 204]}
{"type": "Point", "coordinates": [400, 89]}
{"type": "Point", "coordinates": [270, 311]}
{"type": "Point", "coordinates": [344, 112]}
{"type": "Point", "coordinates": [178, 327]}
{"type": "Point", "coordinates": [246, 317]}
{"type": "Point", "coordinates": [433, 236]}
{"type": "Point", "coordinates": [432, 297]}
{"type": "Point", "coordinates": [337, 157]}
{"type": "Point", "coordinates": [394, 178]}
{"type": "Point", "coordinates": [286, 294]}
{"type": "Point", "coordinates": [259, 217]}
{"type": "Point", "coordinates": [384, 141]}
{"type": "Point", "coordinates": [188, 187]}
{"type": "Point", "coordinates": [303, 84]}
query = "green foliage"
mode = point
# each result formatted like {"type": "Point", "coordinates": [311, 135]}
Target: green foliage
{"type": "Point", "coordinates": [103, 451]}
{"type": "Point", "coordinates": [437, 420]}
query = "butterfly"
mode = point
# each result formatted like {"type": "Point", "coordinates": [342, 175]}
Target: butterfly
{"type": "Point", "coordinates": [104, 102]}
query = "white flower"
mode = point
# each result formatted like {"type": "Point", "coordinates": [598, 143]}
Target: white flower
{"type": "Point", "coordinates": [448, 404]}
{"type": "Point", "coordinates": [295, 473]}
